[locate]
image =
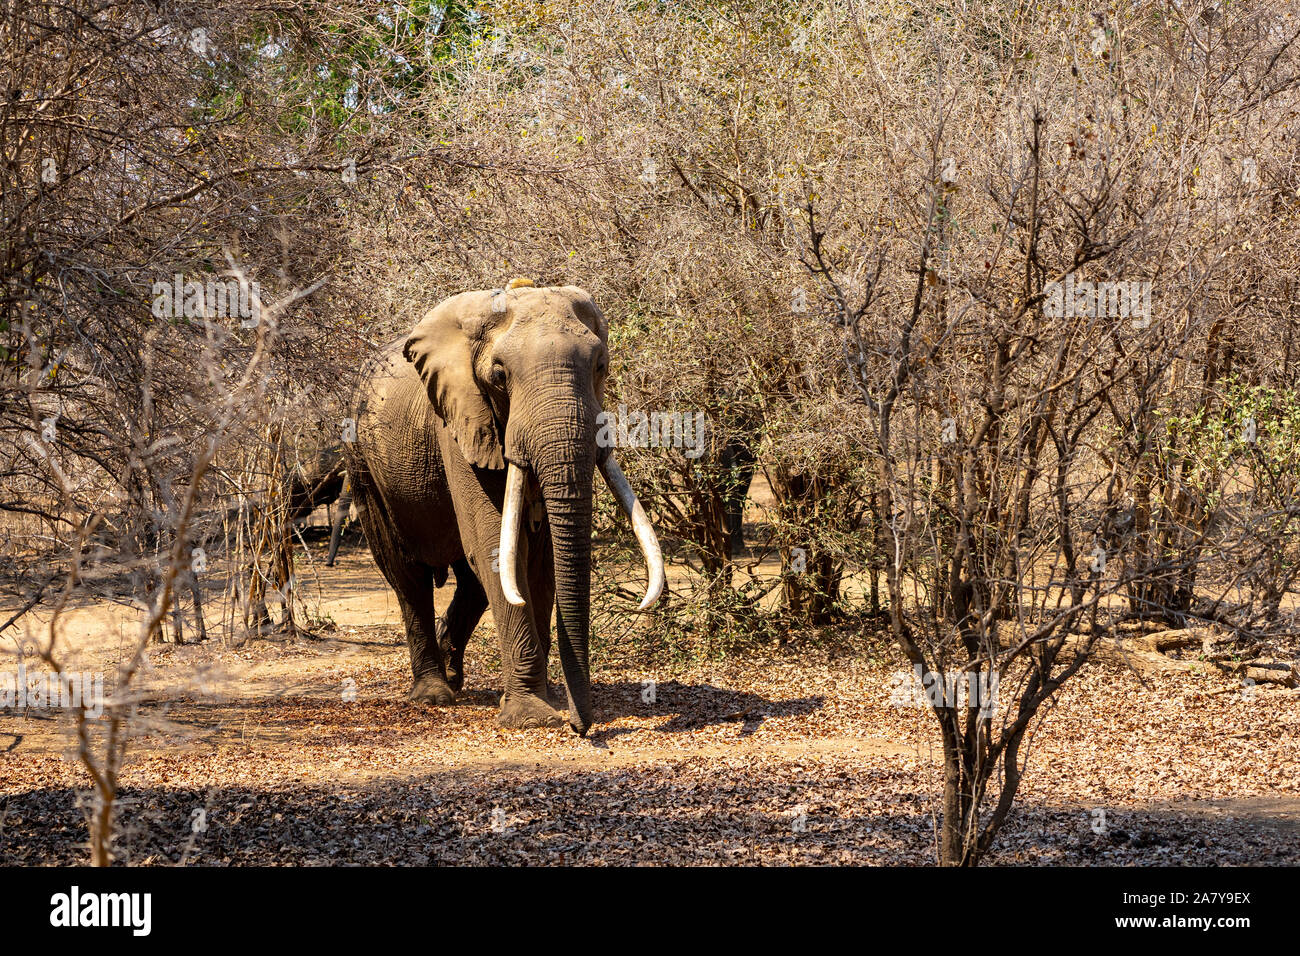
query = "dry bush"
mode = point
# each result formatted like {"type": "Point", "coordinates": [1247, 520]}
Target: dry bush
{"type": "Point", "coordinates": [925, 179]}
{"type": "Point", "coordinates": [835, 230]}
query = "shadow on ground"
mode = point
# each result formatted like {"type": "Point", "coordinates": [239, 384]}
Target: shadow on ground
{"type": "Point", "coordinates": [692, 705]}
{"type": "Point", "coordinates": [633, 817]}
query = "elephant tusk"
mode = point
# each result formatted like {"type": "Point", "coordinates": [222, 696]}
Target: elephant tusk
{"type": "Point", "coordinates": [511, 514]}
{"type": "Point", "coordinates": [645, 533]}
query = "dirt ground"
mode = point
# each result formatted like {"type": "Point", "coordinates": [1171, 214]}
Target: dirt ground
{"type": "Point", "coordinates": [307, 752]}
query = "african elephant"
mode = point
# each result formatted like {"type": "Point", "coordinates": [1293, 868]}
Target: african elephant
{"type": "Point", "coordinates": [476, 450]}
{"type": "Point", "coordinates": [340, 516]}
{"type": "Point", "coordinates": [738, 463]}
{"type": "Point", "coordinates": [322, 485]}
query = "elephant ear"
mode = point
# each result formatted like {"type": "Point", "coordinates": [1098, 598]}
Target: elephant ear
{"type": "Point", "coordinates": [585, 308]}
{"type": "Point", "coordinates": [441, 349]}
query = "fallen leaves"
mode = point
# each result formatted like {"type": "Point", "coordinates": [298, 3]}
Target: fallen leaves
{"type": "Point", "coordinates": [711, 772]}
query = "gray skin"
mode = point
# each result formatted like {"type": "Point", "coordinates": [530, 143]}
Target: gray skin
{"type": "Point", "coordinates": [738, 464]}
{"type": "Point", "coordinates": [340, 515]}
{"type": "Point", "coordinates": [484, 379]}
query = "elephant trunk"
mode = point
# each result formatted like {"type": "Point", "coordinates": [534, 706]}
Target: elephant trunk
{"type": "Point", "coordinates": [566, 483]}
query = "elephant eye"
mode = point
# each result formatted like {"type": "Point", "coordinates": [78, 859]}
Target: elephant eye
{"type": "Point", "coordinates": [497, 376]}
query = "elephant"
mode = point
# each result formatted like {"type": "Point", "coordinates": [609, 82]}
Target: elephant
{"type": "Point", "coordinates": [738, 463]}
{"type": "Point", "coordinates": [327, 484]}
{"type": "Point", "coordinates": [322, 485]}
{"type": "Point", "coordinates": [341, 511]}
{"type": "Point", "coordinates": [475, 451]}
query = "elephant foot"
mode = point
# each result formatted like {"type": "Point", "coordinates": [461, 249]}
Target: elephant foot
{"type": "Point", "coordinates": [526, 712]}
{"type": "Point", "coordinates": [455, 659]}
{"type": "Point", "coordinates": [456, 673]}
{"type": "Point", "coordinates": [432, 689]}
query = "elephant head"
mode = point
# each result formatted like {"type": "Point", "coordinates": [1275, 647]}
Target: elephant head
{"type": "Point", "coordinates": [517, 376]}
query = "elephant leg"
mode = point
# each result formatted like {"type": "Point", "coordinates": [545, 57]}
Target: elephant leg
{"type": "Point", "coordinates": [341, 506]}
{"type": "Point", "coordinates": [739, 462]}
{"type": "Point", "coordinates": [524, 703]}
{"type": "Point", "coordinates": [428, 669]}
{"type": "Point", "coordinates": [541, 602]}
{"type": "Point", "coordinates": [463, 614]}
{"type": "Point", "coordinates": [736, 525]}
{"type": "Point", "coordinates": [413, 583]}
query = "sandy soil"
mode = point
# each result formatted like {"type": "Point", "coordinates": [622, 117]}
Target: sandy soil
{"type": "Point", "coordinates": [307, 752]}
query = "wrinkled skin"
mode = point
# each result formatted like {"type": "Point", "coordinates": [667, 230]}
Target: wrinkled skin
{"type": "Point", "coordinates": [483, 380]}
{"type": "Point", "coordinates": [340, 516]}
